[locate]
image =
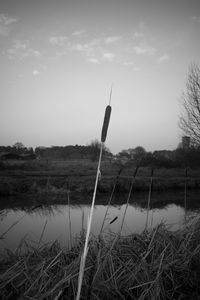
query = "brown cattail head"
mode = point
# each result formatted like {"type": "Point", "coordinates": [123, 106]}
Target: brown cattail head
{"type": "Point", "coordinates": [105, 123]}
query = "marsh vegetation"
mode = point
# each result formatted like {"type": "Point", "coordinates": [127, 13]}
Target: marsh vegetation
{"type": "Point", "coordinates": [156, 264]}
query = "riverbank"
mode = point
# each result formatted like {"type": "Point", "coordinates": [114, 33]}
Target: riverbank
{"type": "Point", "coordinates": [56, 178]}
{"type": "Point", "coordinates": [158, 264]}
{"type": "Point", "coordinates": [40, 183]}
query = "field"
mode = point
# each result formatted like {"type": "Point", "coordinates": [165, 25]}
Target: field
{"type": "Point", "coordinates": [56, 177]}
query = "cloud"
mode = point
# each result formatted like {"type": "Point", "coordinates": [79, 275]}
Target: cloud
{"type": "Point", "coordinates": [128, 63]}
{"type": "Point", "coordinates": [67, 44]}
{"type": "Point", "coordinates": [20, 75]}
{"type": "Point", "coordinates": [5, 24]}
{"type": "Point", "coordinates": [79, 47]}
{"type": "Point", "coordinates": [163, 58]}
{"type": "Point", "coordinates": [142, 26]}
{"type": "Point", "coordinates": [94, 60]}
{"type": "Point", "coordinates": [144, 49]}
{"type": "Point", "coordinates": [58, 40]}
{"type": "Point", "coordinates": [196, 18]}
{"type": "Point", "coordinates": [138, 34]}
{"type": "Point", "coordinates": [136, 69]}
{"type": "Point", "coordinates": [90, 49]}
{"type": "Point", "coordinates": [5, 20]}
{"type": "Point", "coordinates": [112, 39]}
{"type": "Point", "coordinates": [80, 32]}
{"type": "Point", "coordinates": [132, 65]}
{"type": "Point", "coordinates": [108, 56]}
{"type": "Point", "coordinates": [103, 49]}
{"type": "Point", "coordinates": [94, 51]}
{"type": "Point", "coordinates": [36, 72]}
{"type": "Point", "coordinates": [22, 50]}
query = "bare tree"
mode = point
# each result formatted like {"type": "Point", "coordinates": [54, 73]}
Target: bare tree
{"type": "Point", "coordinates": [190, 101]}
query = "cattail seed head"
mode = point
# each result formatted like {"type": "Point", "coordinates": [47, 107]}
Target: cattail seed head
{"type": "Point", "coordinates": [105, 123]}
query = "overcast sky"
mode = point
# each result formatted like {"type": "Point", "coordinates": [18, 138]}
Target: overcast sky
{"type": "Point", "coordinates": [58, 60]}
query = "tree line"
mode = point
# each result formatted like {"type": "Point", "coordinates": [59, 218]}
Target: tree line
{"type": "Point", "coordinates": [164, 158]}
{"type": "Point", "coordinates": [19, 151]}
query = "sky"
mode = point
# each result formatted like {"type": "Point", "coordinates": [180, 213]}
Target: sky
{"type": "Point", "coordinates": [58, 60]}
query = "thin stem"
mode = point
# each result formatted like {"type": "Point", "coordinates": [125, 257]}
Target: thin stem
{"type": "Point", "coordinates": [84, 255]}
{"type": "Point", "coordinates": [11, 226]}
{"type": "Point", "coordinates": [69, 215]}
{"type": "Point", "coordinates": [41, 236]}
{"type": "Point", "coordinates": [129, 196]}
{"type": "Point", "coordinates": [149, 199]}
{"type": "Point", "coordinates": [185, 193]}
{"type": "Point", "coordinates": [109, 202]}
{"type": "Point", "coordinates": [110, 95]}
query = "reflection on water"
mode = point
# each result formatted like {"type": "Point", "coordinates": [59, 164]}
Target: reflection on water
{"type": "Point", "coordinates": [55, 219]}
{"type": "Point", "coordinates": [51, 221]}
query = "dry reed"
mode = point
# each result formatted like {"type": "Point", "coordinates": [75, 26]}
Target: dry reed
{"type": "Point", "coordinates": [89, 223]}
{"type": "Point", "coordinates": [185, 192]}
{"type": "Point", "coordinates": [149, 198]}
{"type": "Point", "coordinates": [69, 212]}
{"type": "Point", "coordinates": [110, 199]}
{"type": "Point", "coordinates": [128, 198]}
{"type": "Point", "coordinates": [157, 264]}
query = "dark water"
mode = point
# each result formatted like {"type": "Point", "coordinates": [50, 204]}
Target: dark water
{"type": "Point", "coordinates": [50, 222]}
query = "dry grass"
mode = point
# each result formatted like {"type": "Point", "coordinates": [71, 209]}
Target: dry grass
{"type": "Point", "coordinates": [157, 264]}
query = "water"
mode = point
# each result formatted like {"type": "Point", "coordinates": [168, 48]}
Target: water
{"type": "Point", "coordinates": [51, 222]}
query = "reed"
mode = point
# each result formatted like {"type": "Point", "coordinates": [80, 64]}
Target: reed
{"type": "Point", "coordinates": [149, 198]}
{"type": "Point", "coordinates": [69, 212]}
{"type": "Point", "coordinates": [89, 223]}
{"type": "Point", "coordinates": [156, 264]}
{"type": "Point", "coordinates": [11, 226]}
{"type": "Point", "coordinates": [128, 198]}
{"type": "Point", "coordinates": [185, 192]}
{"type": "Point", "coordinates": [42, 233]}
{"type": "Point", "coordinates": [110, 199]}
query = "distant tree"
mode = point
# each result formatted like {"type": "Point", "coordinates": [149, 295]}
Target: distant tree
{"type": "Point", "coordinates": [95, 148]}
{"type": "Point", "coordinates": [19, 148]}
{"type": "Point", "coordinates": [18, 145]}
{"type": "Point", "coordinates": [124, 154]}
{"type": "Point", "coordinates": [190, 100]}
{"type": "Point", "coordinates": [139, 150]}
{"type": "Point", "coordinates": [136, 155]}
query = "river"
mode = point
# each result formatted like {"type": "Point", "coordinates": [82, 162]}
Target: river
{"type": "Point", "coordinates": [46, 223]}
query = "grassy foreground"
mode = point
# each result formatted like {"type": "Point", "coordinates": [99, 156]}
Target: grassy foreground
{"type": "Point", "coordinates": [158, 264]}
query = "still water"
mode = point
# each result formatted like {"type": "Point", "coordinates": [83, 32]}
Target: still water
{"type": "Point", "coordinates": [48, 223]}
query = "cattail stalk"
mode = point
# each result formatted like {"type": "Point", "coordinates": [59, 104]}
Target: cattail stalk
{"type": "Point", "coordinates": [149, 198]}
{"type": "Point", "coordinates": [69, 213]}
{"type": "Point", "coordinates": [85, 250]}
{"type": "Point", "coordinates": [185, 193]}
{"type": "Point", "coordinates": [128, 199]}
{"type": "Point", "coordinates": [111, 197]}
{"type": "Point", "coordinates": [89, 223]}
{"type": "Point", "coordinates": [42, 234]}
{"type": "Point", "coordinates": [11, 226]}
